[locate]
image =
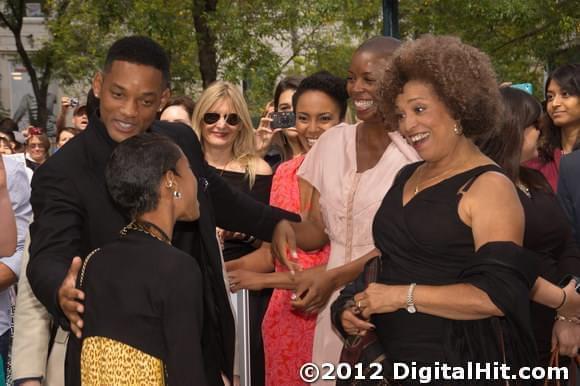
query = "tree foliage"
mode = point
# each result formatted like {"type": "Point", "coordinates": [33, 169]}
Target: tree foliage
{"type": "Point", "coordinates": [258, 41]}
{"type": "Point", "coordinates": [524, 38]}
{"type": "Point", "coordinates": [255, 41]}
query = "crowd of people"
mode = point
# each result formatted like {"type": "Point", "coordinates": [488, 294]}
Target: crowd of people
{"type": "Point", "coordinates": [123, 240]}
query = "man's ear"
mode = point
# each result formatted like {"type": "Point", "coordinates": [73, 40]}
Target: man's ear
{"type": "Point", "coordinates": [98, 84]}
{"type": "Point", "coordinates": [165, 95]}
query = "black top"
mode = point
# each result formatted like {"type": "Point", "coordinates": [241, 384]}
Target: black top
{"type": "Point", "coordinates": [73, 215]}
{"type": "Point", "coordinates": [569, 190]}
{"type": "Point", "coordinates": [147, 294]}
{"type": "Point", "coordinates": [260, 191]}
{"type": "Point", "coordinates": [549, 234]}
{"type": "Point", "coordinates": [425, 242]}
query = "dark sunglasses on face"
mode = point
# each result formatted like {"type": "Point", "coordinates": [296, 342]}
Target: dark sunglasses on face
{"type": "Point", "coordinates": [211, 118]}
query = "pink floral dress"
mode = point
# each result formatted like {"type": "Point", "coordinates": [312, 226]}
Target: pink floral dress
{"type": "Point", "coordinates": [288, 335]}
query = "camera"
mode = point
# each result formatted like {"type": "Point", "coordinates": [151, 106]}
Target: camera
{"type": "Point", "coordinates": [73, 102]}
{"type": "Point", "coordinates": [564, 282]}
{"type": "Point", "coordinates": [283, 120]}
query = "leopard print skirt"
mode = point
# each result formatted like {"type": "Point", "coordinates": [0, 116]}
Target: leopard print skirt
{"type": "Point", "coordinates": [108, 362]}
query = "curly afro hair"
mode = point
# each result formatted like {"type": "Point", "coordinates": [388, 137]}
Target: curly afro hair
{"type": "Point", "coordinates": [461, 75]}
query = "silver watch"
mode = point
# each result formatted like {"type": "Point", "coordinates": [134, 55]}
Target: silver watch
{"type": "Point", "coordinates": [410, 301]}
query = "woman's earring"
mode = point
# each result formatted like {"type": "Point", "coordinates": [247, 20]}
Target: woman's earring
{"type": "Point", "coordinates": [457, 129]}
{"type": "Point", "coordinates": [170, 185]}
{"type": "Point", "coordinates": [176, 194]}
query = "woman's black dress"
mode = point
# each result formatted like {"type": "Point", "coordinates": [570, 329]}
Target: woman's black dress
{"type": "Point", "coordinates": [425, 242]}
{"type": "Point", "coordinates": [143, 315]}
{"type": "Point", "coordinates": [548, 233]}
{"type": "Point", "coordinates": [234, 249]}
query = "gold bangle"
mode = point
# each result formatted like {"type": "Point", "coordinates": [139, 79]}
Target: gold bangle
{"type": "Point", "coordinates": [573, 319]}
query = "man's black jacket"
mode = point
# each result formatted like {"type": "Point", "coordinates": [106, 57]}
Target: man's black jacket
{"type": "Point", "coordinates": [73, 215]}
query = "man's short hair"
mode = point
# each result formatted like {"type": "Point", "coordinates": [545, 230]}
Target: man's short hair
{"type": "Point", "coordinates": [139, 50]}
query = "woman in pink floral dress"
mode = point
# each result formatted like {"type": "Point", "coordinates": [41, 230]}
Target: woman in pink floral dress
{"type": "Point", "coordinates": [319, 104]}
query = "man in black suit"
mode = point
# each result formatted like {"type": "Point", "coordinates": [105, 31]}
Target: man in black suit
{"type": "Point", "coordinates": [73, 213]}
{"type": "Point", "coordinates": [569, 190]}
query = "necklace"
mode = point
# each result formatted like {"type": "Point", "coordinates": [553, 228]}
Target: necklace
{"type": "Point", "coordinates": [145, 226]}
{"type": "Point", "coordinates": [521, 186]}
{"type": "Point", "coordinates": [439, 176]}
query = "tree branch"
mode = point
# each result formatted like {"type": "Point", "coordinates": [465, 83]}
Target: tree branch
{"type": "Point", "coordinates": [522, 37]}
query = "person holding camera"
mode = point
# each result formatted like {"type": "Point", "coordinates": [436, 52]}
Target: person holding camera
{"type": "Point", "coordinates": [320, 104]}
{"type": "Point", "coordinates": [80, 117]}
{"type": "Point", "coordinates": [277, 135]}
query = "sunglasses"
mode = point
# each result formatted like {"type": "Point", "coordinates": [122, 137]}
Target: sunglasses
{"type": "Point", "coordinates": [211, 118]}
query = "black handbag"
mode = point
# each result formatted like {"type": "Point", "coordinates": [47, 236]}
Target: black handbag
{"type": "Point", "coordinates": [361, 352]}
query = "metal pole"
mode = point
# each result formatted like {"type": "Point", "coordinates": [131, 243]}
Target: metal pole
{"type": "Point", "coordinates": [244, 337]}
{"type": "Point", "coordinates": [391, 18]}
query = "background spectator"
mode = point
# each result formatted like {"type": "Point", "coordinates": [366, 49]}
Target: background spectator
{"type": "Point", "coordinates": [284, 144]}
{"type": "Point", "coordinates": [562, 94]}
{"type": "Point", "coordinates": [18, 188]}
{"type": "Point", "coordinates": [37, 148]}
{"type": "Point", "coordinates": [64, 135]}
{"type": "Point", "coordinates": [79, 117]}
{"type": "Point", "coordinates": [178, 109]}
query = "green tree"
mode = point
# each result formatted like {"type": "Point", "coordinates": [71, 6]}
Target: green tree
{"type": "Point", "coordinates": [255, 41]}
{"type": "Point", "coordinates": [83, 35]}
{"type": "Point", "coordinates": [524, 38]}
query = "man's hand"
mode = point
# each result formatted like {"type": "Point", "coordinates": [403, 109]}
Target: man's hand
{"type": "Point", "coordinates": [313, 290]}
{"type": "Point", "coordinates": [353, 325]}
{"type": "Point", "coordinates": [70, 298]}
{"type": "Point", "coordinates": [284, 243]}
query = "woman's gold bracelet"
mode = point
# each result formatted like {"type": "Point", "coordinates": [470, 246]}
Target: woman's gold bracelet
{"type": "Point", "coordinates": [574, 319]}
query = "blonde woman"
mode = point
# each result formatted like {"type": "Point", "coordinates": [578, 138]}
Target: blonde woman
{"type": "Point", "coordinates": [222, 122]}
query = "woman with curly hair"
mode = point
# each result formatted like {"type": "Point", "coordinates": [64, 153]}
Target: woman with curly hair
{"type": "Point", "coordinates": [454, 281]}
{"type": "Point", "coordinates": [562, 94]}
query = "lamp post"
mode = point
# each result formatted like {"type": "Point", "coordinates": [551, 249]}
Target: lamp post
{"type": "Point", "coordinates": [391, 18]}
